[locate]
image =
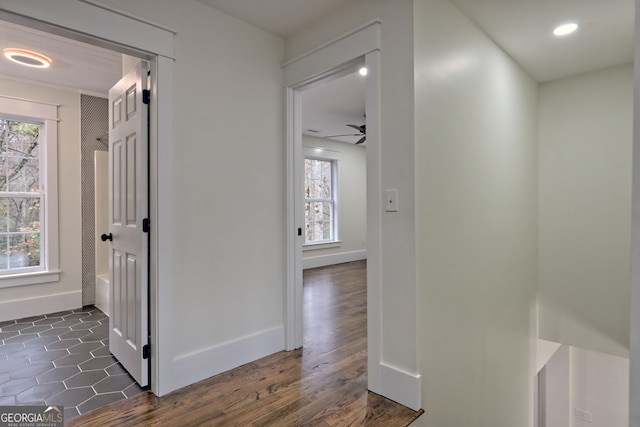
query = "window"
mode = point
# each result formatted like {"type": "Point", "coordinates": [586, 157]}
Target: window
{"type": "Point", "coordinates": [20, 195]}
{"type": "Point", "coordinates": [320, 190]}
{"type": "Point", "coordinates": [28, 189]}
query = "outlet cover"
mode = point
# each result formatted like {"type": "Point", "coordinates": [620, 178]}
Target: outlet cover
{"type": "Point", "coordinates": [583, 415]}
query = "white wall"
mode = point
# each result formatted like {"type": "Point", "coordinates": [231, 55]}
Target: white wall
{"type": "Point", "coordinates": [398, 292]}
{"type": "Point", "coordinates": [229, 180]}
{"type": "Point", "coordinates": [577, 383]}
{"type": "Point", "coordinates": [31, 300]}
{"type": "Point", "coordinates": [544, 351]}
{"type": "Point", "coordinates": [585, 149]}
{"type": "Point", "coordinates": [600, 386]}
{"type": "Point", "coordinates": [634, 340]}
{"type": "Point", "coordinates": [555, 382]}
{"type": "Point", "coordinates": [352, 205]}
{"type": "Point", "coordinates": [476, 172]}
{"type": "Point", "coordinates": [101, 180]}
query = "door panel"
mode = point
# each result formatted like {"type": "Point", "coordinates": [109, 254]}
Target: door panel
{"type": "Point", "coordinates": [128, 195]}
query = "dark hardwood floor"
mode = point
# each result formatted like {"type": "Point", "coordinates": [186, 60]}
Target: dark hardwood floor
{"type": "Point", "coordinates": [324, 384]}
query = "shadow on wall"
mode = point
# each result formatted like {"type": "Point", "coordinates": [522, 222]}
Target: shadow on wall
{"type": "Point", "coordinates": [583, 327]}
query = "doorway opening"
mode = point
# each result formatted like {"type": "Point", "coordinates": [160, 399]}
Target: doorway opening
{"type": "Point", "coordinates": [67, 353]}
{"type": "Point", "coordinates": [335, 60]}
{"type": "Point", "coordinates": [334, 200]}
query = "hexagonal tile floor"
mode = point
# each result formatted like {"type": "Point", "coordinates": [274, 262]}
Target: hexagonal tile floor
{"type": "Point", "coordinates": [61, 359]}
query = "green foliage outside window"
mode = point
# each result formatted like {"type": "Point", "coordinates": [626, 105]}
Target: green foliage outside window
{"type": "Point", "coordinates": [20, 195]}
{"type": "Point", "coordinates": [318, 207]}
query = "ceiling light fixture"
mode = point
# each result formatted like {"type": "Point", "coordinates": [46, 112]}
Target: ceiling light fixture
{"type": "Point", "coordinates": [363, 71]}
{"type": "Point", "coordinates": [27, 57]}
{"type": "Point", "coordinates": [565, 29]}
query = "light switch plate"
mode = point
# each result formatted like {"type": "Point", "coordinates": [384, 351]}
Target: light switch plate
{"type": "Point", "coordinates": [391, 200]}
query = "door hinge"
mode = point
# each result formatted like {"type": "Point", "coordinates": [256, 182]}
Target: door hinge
{"type": "Point", "coordinates": [146, 96]}
{"type": "Point", "coordinates": [146, 225]}
{"type": "Point", "coordinates": [146, 351]}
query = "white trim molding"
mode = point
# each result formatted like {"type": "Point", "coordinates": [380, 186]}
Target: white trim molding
{"type": "Point", "coordinates": [37, 306]}
{"type": "Point", "coordinates": [402, 387]}
{"type": "Point", "coordinates": [331, 244]}
{"type": "Point", "coordinates": [294, 221]}
{"type": "Point", "coordinates": [634, 332]}
{"type": "Point", "coordinates": [129, 15]}
{"type": "Point", "coordinates": [330, 57]}
{"type": "Point", "coordinates": [21, 107]}
{"type": "Point", "coordinates": [91, 23]}
{"type": "Point", "coordinates": [199, 365]}
{"type": "Point", "coordinates": [32, 278]}
{"type": "Point", "coordinates": [46, 115]}
{"type": "Point", "coordinates": [332, 259]}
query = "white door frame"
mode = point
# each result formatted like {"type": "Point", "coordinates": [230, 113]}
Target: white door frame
{"type": "Point", "coordinates": [634, 329]}
{"type": "Point", "coordinates": [99, 25]}
{"type": "Point", "coordinates": [325, 62]}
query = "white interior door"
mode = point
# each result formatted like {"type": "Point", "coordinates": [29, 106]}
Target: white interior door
{"type": "Point", "coordinates": [128, 226]}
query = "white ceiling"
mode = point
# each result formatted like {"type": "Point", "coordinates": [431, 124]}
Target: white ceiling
{"type": "Point", "coordinates": [279, 17]}
{"type": "Point", "coordinates": [329, 107]}
{"type": "Point", "coordinates": [521, 27]}
{"type": "Point", "coordinates": [75, 65]}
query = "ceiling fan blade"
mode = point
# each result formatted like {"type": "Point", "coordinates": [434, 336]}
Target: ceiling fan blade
{"type": "Point", "coordinates": [361, 140]}
{"type": "Point", "coordinates": [347, 134]}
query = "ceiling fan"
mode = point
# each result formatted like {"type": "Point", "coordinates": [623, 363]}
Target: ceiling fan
{"type": "Point", "coordinates": [362, 129]}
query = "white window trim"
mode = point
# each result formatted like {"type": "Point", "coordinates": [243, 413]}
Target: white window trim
{"type": "Point", "coordinates": [317, 153]}
{"type": "Point", "coordinates": [47, 114]}
{"type": "Point", "coordinates": [330, 244]}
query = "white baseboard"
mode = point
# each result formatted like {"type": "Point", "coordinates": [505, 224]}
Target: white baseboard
{"type": "Point", "coordinates": [194, 367]}
{"type": "Point", "coordinates": [28, 307]}
{"type": "Point", "coordinates": [102, 294]}
{"type": "Point", "coordinates": [324, 260]}
{"type": "Point", "coordinates": [401, 387]}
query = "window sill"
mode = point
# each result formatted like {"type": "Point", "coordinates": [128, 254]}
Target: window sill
{"type": "Point", "coordinates": [322, 245]}
{"type": "Point", "coordinates": [32, 278]}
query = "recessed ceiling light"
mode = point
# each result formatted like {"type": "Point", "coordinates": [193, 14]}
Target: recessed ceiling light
{"type": "Point", "coordinates": [565, 29]}
{"type": "Point", "coordinates": [27, 57]}
{"type": "Point", "coordinates": [363, 71]}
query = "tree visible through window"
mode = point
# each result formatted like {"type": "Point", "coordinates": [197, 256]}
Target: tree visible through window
{"type": "Point", "coordinates": [21, 197]}
{"type": "Point", "coordinates": [319, 204]}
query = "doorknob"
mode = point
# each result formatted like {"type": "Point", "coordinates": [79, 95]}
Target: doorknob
{"type": "Point", "coordinates": [106, 237]}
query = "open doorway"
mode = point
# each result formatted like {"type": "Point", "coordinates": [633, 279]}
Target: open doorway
{"type": "Point", "coordinates": [335, 216]}
{"type": "Point", "coordinates": [335, 175]}
{"type": "Point", "coordinates": [339, 58]}
{"type": "Point", "coordinates": [63, 356]}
